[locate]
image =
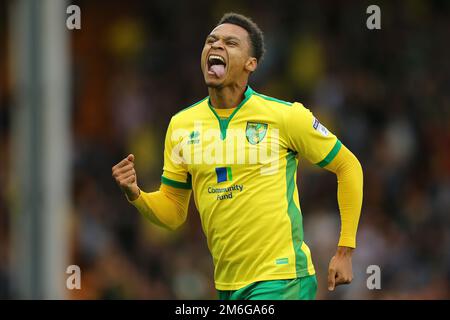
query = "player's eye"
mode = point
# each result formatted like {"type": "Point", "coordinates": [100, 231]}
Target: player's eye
{"type": "Point", "coordinates": [232, 43]}
{"type": "Point", "coordinates": [210, 40]}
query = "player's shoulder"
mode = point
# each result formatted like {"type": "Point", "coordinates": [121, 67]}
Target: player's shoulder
{"type": "Point", "coordinates": [276, 104]}
{"type": "Point", "coordinates": [191, 111]}
{"type": "Point", "coordinates": [271, 101]}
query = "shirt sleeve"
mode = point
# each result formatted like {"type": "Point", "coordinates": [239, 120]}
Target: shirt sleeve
{"type": "Point", "coordinates": [175, 168]}
{"type": "Point", "coordinates": [167, 207]}
{"type": "Point", "coordinates": [350, 194]}
{"type": "Point", "coordinates": [311, 139]}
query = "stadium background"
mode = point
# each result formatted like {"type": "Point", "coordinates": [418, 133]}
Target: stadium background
{"type": "Point", "coordinates": [133, 64]}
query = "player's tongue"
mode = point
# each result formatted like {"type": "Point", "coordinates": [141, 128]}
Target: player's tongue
{"type": "Point", "coordinates": [218, 69]}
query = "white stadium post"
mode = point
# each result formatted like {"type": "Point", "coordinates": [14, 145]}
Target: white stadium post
{"type": "Point", "coordinates": [39, 51]}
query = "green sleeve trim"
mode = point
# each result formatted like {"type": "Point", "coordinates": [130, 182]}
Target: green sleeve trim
{"type": "Point", "coordinates": [331, 154]}
{"type": "Point", "coordinates": [176, 184]}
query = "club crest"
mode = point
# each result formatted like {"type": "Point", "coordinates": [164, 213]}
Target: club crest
{"type": "Point", "coordinates": [255, 132]}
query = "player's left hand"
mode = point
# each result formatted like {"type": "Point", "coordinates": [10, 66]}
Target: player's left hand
{"type": "Point", "coordinates": [340, 268]}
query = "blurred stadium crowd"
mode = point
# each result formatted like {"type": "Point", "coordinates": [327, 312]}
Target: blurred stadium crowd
{"type": "Point", "coordinates": [384, 93]}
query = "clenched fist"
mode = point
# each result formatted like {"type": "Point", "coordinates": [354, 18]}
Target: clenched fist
{"type": "Point", "coordinates": [125, 176]}
{"type": "Point", "coordinates": [340, 268]}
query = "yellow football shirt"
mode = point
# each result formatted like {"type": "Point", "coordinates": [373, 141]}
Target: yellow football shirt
{"type": "Point", "coordinates": [242, 170]}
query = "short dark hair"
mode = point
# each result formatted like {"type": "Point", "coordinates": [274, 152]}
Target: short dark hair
{"type": "Point", "coordinates": [255, 34]}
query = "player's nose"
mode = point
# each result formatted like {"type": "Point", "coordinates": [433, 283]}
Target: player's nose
{"type": "Point", "coordinates": [217, 44]}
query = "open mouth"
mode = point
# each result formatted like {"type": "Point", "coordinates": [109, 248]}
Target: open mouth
{"type": "Point", "coordinates": [216, 65]}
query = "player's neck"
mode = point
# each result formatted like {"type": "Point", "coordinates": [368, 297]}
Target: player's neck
{"type": "Point", "coordinates": [227, 97]}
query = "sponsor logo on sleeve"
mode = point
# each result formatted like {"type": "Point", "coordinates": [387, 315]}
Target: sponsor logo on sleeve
{"type": "Point", "coordinates": [320, 128]}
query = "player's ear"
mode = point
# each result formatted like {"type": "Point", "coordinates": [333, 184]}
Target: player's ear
{"type": "Point", "coordinates": [251, 64]}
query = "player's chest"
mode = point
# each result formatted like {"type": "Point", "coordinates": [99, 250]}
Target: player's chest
{"type": "Point", "coordinates": [242, 141]}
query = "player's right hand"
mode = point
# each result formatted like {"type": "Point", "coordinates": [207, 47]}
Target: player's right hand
{"type": "Point", "coordinates": [125, 176]}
